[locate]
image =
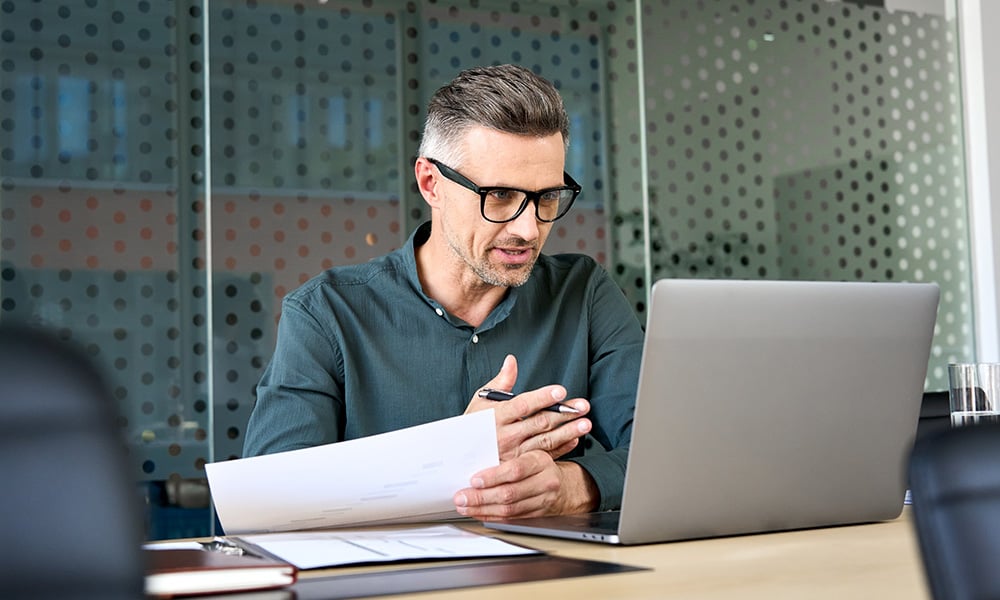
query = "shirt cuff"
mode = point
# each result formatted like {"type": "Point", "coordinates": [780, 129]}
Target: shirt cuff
{"type": "Point", "coordinates": [608, 471]}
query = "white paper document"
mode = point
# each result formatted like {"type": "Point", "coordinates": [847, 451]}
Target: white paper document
{"type": "Point", "coordinates": [405, 475]}
{"type": "Point", "coordinates": [330, 548]}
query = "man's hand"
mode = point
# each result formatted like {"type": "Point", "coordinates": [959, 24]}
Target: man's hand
{"type": "Point", "coordinates": [522, 423]}
{"type": "Point", "coordinates": [528, 481]}
{"type": "Point", "coordinates": [530, 485]}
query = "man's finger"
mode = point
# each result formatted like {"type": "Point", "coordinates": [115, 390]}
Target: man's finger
{"type": "Point", "coordinates": [504, 380]}
{"type": "Point", "coordinates": [507, 376]}
{"type": "Point", "coordinates": [486, 511]}
{"type": "Point", "coordinates": [523, 467]}
{"type": "Point", "coordinates": [534, 403]}
{"type": "Point", "coordinates": [547, 430]}
{"type": "Point", "coordinates": [517, 487]}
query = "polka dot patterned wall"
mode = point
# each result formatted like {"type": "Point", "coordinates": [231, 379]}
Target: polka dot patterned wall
{"type": "Point", "coordinates": [809, 140]}
{"type": "Point", "coordinates": [160, 191]}
{"type": "Point", "coordinates": [102, 196]}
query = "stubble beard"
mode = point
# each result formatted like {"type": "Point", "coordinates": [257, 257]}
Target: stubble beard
{"type": "Point", "coordinates": [490, 274]}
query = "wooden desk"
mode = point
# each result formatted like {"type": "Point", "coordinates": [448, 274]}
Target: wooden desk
{"type": "Point", "coordinates": [865, 561]}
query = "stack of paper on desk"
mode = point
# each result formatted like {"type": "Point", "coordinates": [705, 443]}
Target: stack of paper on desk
{"type": "Point", "coordinates": [402, 476]}
{"type": "Point", "coordinates": [338, 547]}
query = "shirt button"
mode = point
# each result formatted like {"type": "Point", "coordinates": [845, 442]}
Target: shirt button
{"type": "Point", "coordinates": [439, 312]}
{"type": "Point", "coordinates": [475, 339]}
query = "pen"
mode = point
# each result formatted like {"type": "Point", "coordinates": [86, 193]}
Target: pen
{"type": "Point", "coordinates": [500, 396]}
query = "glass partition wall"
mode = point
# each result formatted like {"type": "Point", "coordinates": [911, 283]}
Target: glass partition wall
{"type": "Point", "coordinates": [809, 140]}
{"type": "Point", "coordinates": [169, 170]}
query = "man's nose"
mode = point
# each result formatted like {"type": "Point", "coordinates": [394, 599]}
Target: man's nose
{"type": "Point", "coordinates": [525, 226]}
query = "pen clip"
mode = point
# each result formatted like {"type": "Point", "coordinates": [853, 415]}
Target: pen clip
{"type": "Point", "coordinates": [497, 395]}
{"type": "Point", "coordinates": [223, 546]}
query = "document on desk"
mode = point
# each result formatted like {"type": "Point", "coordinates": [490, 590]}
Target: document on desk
{"type": "Point", "coordinates": [339, 547]}
{"type": "Point", "coordinates": [402, 476]}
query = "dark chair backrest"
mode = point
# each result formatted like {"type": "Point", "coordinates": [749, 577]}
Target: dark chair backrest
{"type": "Point", "coordinates": [935, 413]}
{"type": "Point", "coordinates": [955, 485]}
{"type": "Point", "coordinates": [70, 520]}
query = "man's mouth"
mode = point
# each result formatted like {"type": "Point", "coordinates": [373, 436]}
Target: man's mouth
{"type": "Point", "coordinates": [514, 255]}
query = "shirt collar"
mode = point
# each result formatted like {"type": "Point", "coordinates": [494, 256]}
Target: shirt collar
{"type": "Point", "coordinates": [408, 255]}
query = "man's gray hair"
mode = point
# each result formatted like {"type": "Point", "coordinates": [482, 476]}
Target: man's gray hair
{"type": "Point", "coordinates": [507, 98]}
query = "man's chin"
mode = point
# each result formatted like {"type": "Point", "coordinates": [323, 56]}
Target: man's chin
{"type": "Point", "coordinates": [508, 275]}
{"type": "Point", "coordinates": [517, 275]}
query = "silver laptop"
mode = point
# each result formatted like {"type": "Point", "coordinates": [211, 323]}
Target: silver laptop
{"type": "Point", "coordinates": [766, 406]}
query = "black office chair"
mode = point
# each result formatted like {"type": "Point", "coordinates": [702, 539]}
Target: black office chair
{"type": "Point", "coordinates": [70, 520]}
{"type": "Point", "coordinates": [955, 483]}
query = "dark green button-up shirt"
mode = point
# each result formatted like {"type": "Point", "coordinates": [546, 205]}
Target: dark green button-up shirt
{"type": "Point", "coordinates": [362, 350]}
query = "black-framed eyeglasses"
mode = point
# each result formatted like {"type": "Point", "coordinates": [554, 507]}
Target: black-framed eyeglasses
{"type": "Point", "coordinates": [503, 204]}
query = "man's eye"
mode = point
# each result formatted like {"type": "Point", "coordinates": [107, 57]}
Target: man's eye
{"type": "Point", "coordinates": [504, 195]}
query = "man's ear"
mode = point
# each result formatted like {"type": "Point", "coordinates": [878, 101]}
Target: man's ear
{"type": "Point", "coordinates": [427, 179]}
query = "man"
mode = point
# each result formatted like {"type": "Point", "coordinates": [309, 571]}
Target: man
{"type": "Point", "coordinates": [411, 337]}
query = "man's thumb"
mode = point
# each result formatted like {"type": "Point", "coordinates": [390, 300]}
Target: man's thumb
{"type": "Point", "coordinates": [507, 376]}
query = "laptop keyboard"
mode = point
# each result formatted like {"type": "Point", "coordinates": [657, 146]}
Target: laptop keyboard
{"type": "Point", "coordinates": [607, 521]}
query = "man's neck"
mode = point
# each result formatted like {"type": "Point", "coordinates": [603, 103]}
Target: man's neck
{"type": "Point", "coordinates": [449, 281]}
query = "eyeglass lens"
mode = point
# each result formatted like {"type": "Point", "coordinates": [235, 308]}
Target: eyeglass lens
{"type": "Point", "coordinates": [507, 204]}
